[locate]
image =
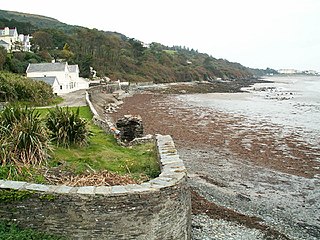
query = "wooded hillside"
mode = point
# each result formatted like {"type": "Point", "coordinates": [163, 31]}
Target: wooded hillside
{"type": "Point", "coordinates": [112, 54]}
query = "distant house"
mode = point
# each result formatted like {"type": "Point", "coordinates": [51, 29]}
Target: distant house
{"type": "Point", "coordinates": [5, 45]}
{"type": "Point", "coordinates": [62, 77]}
{"type": "Point", "coordinates": [25, 44]}
{"type": "Point", "coordinates": [12, 41]}
{"type": "Point", "coordinates": [9, 36]}
{"type": "Point", "coordinates": [288, 71]}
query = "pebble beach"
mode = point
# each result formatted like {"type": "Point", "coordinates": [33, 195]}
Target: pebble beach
{"type": "Point", "coordinates": [253, 180]}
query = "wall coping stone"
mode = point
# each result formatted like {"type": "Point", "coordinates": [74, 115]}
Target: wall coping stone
{"type": "Point", "coordinates": [172, 172]}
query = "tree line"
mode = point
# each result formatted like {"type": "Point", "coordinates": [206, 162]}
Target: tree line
{"type": "Point", "coordinates": [117, 56]}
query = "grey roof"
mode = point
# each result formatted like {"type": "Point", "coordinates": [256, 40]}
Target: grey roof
{"type": "Point", "coordinates": [3, 42]}
{"type": "Point", "coordinates": [72, 68]}
{"type": "Point", "coordinates": [50, 80]}
{"type": "Point", "coordinates": [46, 67]}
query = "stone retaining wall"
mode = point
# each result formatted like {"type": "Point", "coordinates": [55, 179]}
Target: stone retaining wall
{"type": "Point", "coordinates": [108, 126]}
{"type": "Point", "coordinates": [158, 209]}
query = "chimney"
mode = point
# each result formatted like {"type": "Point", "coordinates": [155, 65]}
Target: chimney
{"type": "Point", "coordinates": [6, 31]}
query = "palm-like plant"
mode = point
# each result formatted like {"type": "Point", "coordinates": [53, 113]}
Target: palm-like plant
{"type": "Point", "coordinates": [23, 137]}
{"type": "Point", "coordinates": [66, 127]}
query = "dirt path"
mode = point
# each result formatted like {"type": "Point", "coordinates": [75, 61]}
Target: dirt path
{"type": "Point", "coordinates": [74, 99]}
{"type": "Point", "coordinates": [249, 169]}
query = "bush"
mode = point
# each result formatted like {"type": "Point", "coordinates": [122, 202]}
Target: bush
{"type": "Point", "coordinates": [23, 137]}
{"type": "Point", "coordinates": [66, 127]}
{"type": "Point", "coordinates": [14, 88]}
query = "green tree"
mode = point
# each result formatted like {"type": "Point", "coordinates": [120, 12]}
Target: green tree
{"type": "Point", "coordinates": [42, 41]}
{"type": "Point", "coordinates": [85, 62]}
{"type": "Point", "coordinates": [3, 56]}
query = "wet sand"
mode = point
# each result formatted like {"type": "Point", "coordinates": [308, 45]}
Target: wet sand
{"type": "Point", "coordinates": [249, 167]}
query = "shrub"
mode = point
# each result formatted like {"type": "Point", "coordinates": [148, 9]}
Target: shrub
{"type": "Point", "coordinates": [66, 127]}
{"type": "Point", "coordinates": [23, 137]}
{"type": "Point", "coordinates": [14, 88]}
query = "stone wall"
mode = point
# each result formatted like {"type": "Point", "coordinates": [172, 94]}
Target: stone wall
{"type": "Point", "coordinates": [158, 209]}
{"type": "Point", "coordinates": [109, 127]}
{"type": "Point", "coordinates": [108, 88]}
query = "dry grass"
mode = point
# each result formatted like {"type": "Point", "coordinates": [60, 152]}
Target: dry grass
{"type": "Point", "coordinates": [103, 178]}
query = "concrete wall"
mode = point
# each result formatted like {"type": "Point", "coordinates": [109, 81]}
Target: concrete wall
{"type": "Point", "coordinates": [158, 209]}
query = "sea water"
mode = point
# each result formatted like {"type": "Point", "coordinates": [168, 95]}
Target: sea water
{"type": "Point", "coordinates": [292, 102]}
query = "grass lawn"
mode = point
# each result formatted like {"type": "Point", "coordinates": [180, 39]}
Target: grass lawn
{"type": "Point", "coordinates": [102, 153]}
{"type": "Point", "coordinates": [84, 111]}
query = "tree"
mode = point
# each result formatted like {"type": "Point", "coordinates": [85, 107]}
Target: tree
{"type": "Point", "coordinates": [42, 41]}
{"type": "Point", "coordinates": [137, 47]}
{"type": "Point", "coordinates": [85, 62]}
{"type": "Point", "coordinates": [66, 53]}
{"type": "Point", "coordinates": [3, 56]}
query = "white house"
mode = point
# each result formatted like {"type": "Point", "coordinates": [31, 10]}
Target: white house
{"type": "Point", "coordinates": [9, 36]}
{"type": "Point", "coordinates": [5, 45]}
{"type": "Point", "coordinates": [288, 71]}
{"type": "Point", "coordinates": [62, 77]}
{"type": "Point", "coordinates": [12, 41]}
{"type": "Point", "coordinates": [25, 43]}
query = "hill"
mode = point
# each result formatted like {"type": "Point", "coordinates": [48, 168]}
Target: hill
{"type": "Point", "coordinates": [37, 21]}
{"type": "Point", "coordinates": [113, 54]}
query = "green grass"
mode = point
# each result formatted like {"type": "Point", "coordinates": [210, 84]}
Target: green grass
{"type": "Point", "coordinates": [103, 153]}
{"type": "Point", "coordinates": [52, 103]}
{"type": "Point", "coordinates": [11, 172]}
{"type": "Point", "coordinates": [171, 52]}
{"type": "Point", "coordinates": [10, 231]}
{"type": "Point", "coordinates": [84, 111]}
{"type": "Point", "coordinates": [56, 101]}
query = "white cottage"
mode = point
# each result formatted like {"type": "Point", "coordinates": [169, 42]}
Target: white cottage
{"type": "Point", "coordinates": [8, 37]}
{"type": "Point", "coordinates": [62, 77]}
{"type": "Point", "coordinates": [12, 41]}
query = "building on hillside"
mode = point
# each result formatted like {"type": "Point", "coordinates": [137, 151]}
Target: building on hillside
{"type": "Point", "coordinates": [12, 41]}
{"type": "Point", "coordinates": [311, 72]}
{"type": "Point", "coordinates": [288, 71]}
{"type": "Point", "coordinates": [9, 36]}
{"type": "Point", "coordinates": [5, 45]}
{"type": "Point", "coordinates": [24, 43]}
{"type": "Point", "coordinates": [62, 77]}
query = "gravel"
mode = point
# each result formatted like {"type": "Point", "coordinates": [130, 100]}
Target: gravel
{"type": "Point", "coordinates": [205, 228]}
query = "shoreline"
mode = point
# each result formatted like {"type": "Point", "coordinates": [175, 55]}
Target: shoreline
{"type": "Point", "coordinates": [219, 166]}
{"type": "Point", "coordinates": [216, 86]}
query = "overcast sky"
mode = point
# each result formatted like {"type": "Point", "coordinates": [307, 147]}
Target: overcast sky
{"type": "Point", "coordinates": [255, 33]}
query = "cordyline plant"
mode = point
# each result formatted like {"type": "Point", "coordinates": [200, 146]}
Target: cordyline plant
{"type": "Point", "coordinates": [23, 137]}
{"type": "Point", "coordinates": [66, 127]}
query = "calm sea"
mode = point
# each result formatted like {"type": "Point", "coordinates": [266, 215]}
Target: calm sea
{"type": "Point", "coordinates": [290, 101]}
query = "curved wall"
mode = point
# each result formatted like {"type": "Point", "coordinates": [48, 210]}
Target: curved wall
{"type": "Point", "coordinates": [158, 209]}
